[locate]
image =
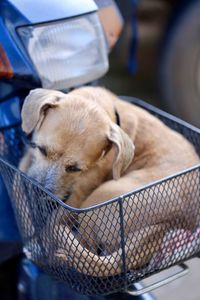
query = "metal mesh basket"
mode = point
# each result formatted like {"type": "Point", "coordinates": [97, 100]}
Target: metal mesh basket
{"type": "Point", "coordinates": [61, 249]}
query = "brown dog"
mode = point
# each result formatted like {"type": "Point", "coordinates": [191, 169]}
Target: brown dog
{"type": "Point", "coordinates": [82, 155]}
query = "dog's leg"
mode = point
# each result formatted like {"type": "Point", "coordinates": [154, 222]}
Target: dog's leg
{"type": "Point", "coordinates": [72, 254]}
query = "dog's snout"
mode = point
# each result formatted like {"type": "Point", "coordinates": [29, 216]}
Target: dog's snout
{"type": "Point", "coordinates": [50, 178]}
{"type": "Point", "coordinates": [47, 176]}
{"type": "Point", "coordinates": [51, 183]}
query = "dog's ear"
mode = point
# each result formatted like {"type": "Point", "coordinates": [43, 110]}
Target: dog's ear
{"type": "Point", "coordinates": [124, 150]}
{"type": "Point", "coordinates": [36, 105]}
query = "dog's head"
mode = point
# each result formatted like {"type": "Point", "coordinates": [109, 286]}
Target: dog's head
{"type": "Point", "coordinates": [71, 135]}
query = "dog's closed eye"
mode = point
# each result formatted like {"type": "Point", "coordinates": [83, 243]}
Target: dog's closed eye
{"type": "Point", "coordinates": [72, 168]}
{"type": "Point", "coordinates": [42, 149]}
{"type": "Point", "coordinates": [33, 145]}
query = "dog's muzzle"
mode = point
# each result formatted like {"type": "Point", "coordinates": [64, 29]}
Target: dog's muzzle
{"type": "Point", "coordinates": [47, 177]}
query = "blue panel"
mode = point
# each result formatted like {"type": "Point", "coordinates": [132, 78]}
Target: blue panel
{"type": "Point", "coordinates": [8, 227]}
{"type": "Point", "coordinates": [34, 284]}
{"type": "Point", "coordinates": [43, 11]}
{"type": "Point", "coordinates": [10, 112]}
{"type": "Point", "coordinates": [10, 241]}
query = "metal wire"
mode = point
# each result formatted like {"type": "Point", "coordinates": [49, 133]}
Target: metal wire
{"type": "Point", "coordinates": [100, 253]}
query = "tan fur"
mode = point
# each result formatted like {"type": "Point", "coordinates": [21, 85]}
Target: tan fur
{"type": "Point", "coordinates": [79, 129]}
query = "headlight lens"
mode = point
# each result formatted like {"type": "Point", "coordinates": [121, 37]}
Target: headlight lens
{"type": "Point", "coordinates": [67, 53]}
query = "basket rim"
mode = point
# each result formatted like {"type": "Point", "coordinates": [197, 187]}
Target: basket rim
{"type": "Point", "coordinates": [107, 202]}
{"type": "Point", "coordinates": [159, 111]}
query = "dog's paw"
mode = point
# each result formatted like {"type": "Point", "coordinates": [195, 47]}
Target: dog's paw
{"type": "Point", "coordinates": [61, 253]}
{"type": "Point", "coordinates": [62, 259]}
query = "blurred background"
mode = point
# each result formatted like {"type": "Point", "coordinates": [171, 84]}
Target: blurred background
{"type": "Point", "coordinates": [157, 57]}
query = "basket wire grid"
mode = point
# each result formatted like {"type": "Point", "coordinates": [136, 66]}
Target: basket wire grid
{"type": "Point", "coordinates": [116, 260]}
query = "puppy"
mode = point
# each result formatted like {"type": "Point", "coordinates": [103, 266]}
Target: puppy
{"type": "Point", "coordinates": [71, 139]}
{"type": "Point", "coordinates": [83, 156]}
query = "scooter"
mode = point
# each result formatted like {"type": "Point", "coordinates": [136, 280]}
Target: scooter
{"type": "Point", "coordinates": [55, 45]}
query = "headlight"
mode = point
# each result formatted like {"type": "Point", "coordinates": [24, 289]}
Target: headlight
{"type": "Point", "coordinates": [67, 53]}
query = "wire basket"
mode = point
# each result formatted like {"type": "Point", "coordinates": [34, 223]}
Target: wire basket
{"type": "Point", "coordinates": [61, 250]}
